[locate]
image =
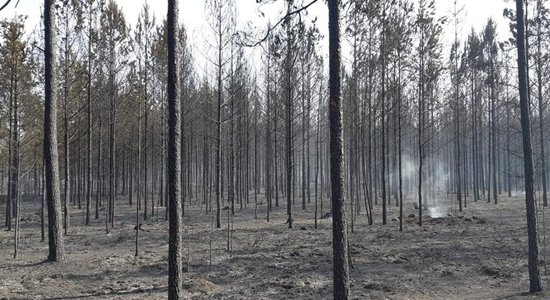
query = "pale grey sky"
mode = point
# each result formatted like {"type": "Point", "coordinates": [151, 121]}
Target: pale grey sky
{"type": "Point", "coordinates": [192, 14]}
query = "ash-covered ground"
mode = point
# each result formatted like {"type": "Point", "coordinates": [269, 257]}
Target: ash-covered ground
{"type": "Point", "coordinates": [478, 254]}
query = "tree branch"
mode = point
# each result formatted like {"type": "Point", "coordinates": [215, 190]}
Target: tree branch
{"type": "Point", "coordinates": [5, 4]}
{"type": "Point", "coordinates": [8, 3]}
{"type": "Point", "coordinates": [269, 30]}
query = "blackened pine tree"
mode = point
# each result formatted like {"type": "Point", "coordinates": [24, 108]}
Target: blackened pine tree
{"type": "Point", "coordinates": [534, 275]}
{"type": "Point", "coordinates": [339, 231]}
{"type": "Point", "coordinates": [51, 158]}
{"type": "Point", "coordinates": [175, 288]}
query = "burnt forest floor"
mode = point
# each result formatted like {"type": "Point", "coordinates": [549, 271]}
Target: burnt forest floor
{"type": "Point", "coordinates": [478, 254]}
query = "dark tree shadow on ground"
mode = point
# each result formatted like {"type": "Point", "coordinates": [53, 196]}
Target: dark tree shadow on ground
{"type": "Point", "coordinates": [525, 295]}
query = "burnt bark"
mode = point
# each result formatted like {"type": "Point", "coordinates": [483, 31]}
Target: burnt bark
{"type": "Point", "coordinates": [339, 230]}
{"type": "Point", "coordinates": [534, 275]}
{"type": "Point", "coordinates": [51, 157]}
{"type": "Point", "coordinates": [175, 288]}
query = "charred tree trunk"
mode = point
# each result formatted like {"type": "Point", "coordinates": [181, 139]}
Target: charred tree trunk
{"type": "Point", "coordinates": [339, 230]}
{"type": "Point", "coordinates": [541, 105]}
{"type": "Point", "coordinates": [534, 275]}
{"type": "Point", "coordinates": [219, 192]}
{"type": "Point", "coordinates": [66, 164]}
{"type": "Point", "coordinates": [55, 236]}
{"type": "Point", "coordinates": [89, 130]}
{"type": "Point", "coordinates": [175, 285]}
{"type": "Point", "coordinates": [289, 110]}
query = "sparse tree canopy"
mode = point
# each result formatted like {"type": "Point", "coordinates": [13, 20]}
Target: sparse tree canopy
{"type": "Point", "coordinates": [354, 148]}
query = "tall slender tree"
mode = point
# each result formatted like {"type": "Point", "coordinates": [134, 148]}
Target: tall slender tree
{"type": "Point", "coordinates": [534, 275]}
{"type": "Point", "coordinates": [541, 12]}
{"type": "Point", "coordinates": [55, 237]}
{"type": "Point", "coordinates": [339, 230]}
{"type": "Point", "coordinates": [175, 285]}
{"type": "Point", "coordinates": [91, 22]}
{"type": "Point", "coordinates": [289, 110]}
{"type": "Point", "coordinates": [221, 20]}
